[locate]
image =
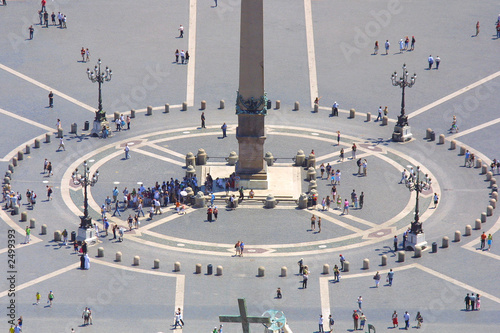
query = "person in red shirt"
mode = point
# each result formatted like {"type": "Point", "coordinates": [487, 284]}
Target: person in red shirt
{"type": "Point", "coordinates": [483, 240]}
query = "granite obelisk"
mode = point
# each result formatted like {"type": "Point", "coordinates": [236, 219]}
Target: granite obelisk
{"type": "Point", "coordinates": [251, 101]}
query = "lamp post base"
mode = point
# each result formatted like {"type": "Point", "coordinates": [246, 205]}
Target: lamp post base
{"type": "Point", "coordinates": [402, 133]}
{"type": "Point", "coordinates": [97, 128]}
{"type": "Point", "coordinates": [416, 240]}
{"type": "Point", "coordinates": [87, 235]}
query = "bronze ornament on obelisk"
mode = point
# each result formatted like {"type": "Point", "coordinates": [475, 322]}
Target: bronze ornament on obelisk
{"type": "Point", "coordinates": [251, 99]}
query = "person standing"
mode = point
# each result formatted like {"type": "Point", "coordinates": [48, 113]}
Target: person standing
{"type": "Point", "coordinates": [31, 30]}
{"type": "Point", "coordinates": [313, 222]}
{"type": "Point", "coordinates": [224, 130]}
{"type": "Point", "coordinates": [28, 235]}
{"type": "Point", "coordinates": [187, 57]}
{"type": "Point", "coordinates": [183, 56]}
{"type": "Point", "coordinates": [375, 49]}
{"type": "Point", "coordinates": [361, 200]}
{"type": "Point", "coordinates": [335, 109]}
{"type": "Point", "coordinates": [342, 155]}
{"type": "Point", "coordinates": [477, 28]}
{"type": "Point", "coordinates": [181, 31]}
{"type": "Point", "coordinates": [362, 321]}
{"type": "Point", "coordinates": [355, 318]}
{"type": "Point", "coordinates": [177, 56]}
{"type": "Point", "coordinates": [215, 6]}
{"type": "Point", "coordinates": [438, 60]}
{"type": "Point", "coordinates": [390, 277]}
{"type": "Point", "coordinates": [395, 243]}
{"type": "Point", "coordinates": [419, 319]}
{"type": "Point", "coordinates": [387, 46]}
{"type": "Point", "coordinates": [209, 214]}
{"type": "Point", "coordinates": [342, 260]}
{"type": "Point", "coordinates": [472, 301]}
{"type": "Point", "coordinates": [338, 138]}
{"type": "Point", "coordinates": [53, 17]}
{"type": "Point", "coordinates": [412, 43]}
{"type": "Point", "coordinates": [490, 240]}
{"type": "Point", "coordinates": [436, 200]}
{"type": "Point", "coordinates": [353, 148]}
{"type": "Point", "coordinates": [431, 61]}
{"type": "Point", "coordinates": [346, 207]}
{"type": "Point", "coordinates": [401, 46]}
{"type": "Point", "coordinates": [82, 52]}
{"type": "Point", "coordinates": [216, 213]}
{"type": "Point", "coordinates": [483, 240]}
{"type": "Point", "coordinates": [407, 320]}
{"type": "Point", "coordinates": [320, 324]}
{"type": "Point", "coordinates": [242, 247]}
{"type": "Point", "coordinates": [46, 19]}
{"type": "Point", "coordinates": [203, 120]}
{"type": "Point", "coordinates": [331, 322]}
{"type": "Point", "coordinates": [365, 166]}
{"type": "Point", "coordinates": [360, 302]}
{"type": "Point", "coordinates": [50, 298]}
{"type": "Point", "coordinates": [478, 303]}
{"type": "Point", "coordinates": [65, 237]}
{"type": "Point", "coordinates": [336, 274]}
{"type": "Point", "coordinates": [87, 55]}
{"type": "Point", "coordinates": [301, 266]}
{"type": "Point", "coordinates": [305, 277]}
{"type": "Point", "coordinates": [319, 224]}
{"type": "Point", "coordinates": [128, 120]}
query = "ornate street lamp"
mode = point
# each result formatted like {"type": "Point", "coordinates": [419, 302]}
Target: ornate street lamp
{"type": "Point", "coordinates": [402, 131]}
{"type": "Point", "coordinates": [418, 186]}
{"type": "Point", "coordinates": [85, 180]}
{"type": "Point", "coordinates": [100, 77]}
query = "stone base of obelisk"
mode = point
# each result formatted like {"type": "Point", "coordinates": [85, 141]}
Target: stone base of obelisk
{"type": "Point", "coordinates": [86, 234]}
{"type": "Point", "coordinates": [415, 240]}
{"type": "Point", "coordinates": [97, 127]}
{"type": "Point", "coordinates": [253, 180]}
{"type": "Point", "coordinates": [402, 133]}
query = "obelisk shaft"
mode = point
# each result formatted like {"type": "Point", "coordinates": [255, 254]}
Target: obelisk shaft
{"type": "Point", "coordinates": [251, 99]}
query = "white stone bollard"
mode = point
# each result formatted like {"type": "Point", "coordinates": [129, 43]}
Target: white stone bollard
{"type": "Point", "coordinates": [366, 263]}
{"type": "Point", "coordinates": [156, 264]}
{"type": "Point", "coordinates": [137, 260]}
{"type": "Point", "coordinates": [284, 271]}
{"type": "Point", "coordinates": [118, 256]}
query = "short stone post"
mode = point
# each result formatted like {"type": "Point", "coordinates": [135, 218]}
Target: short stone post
{"type": "Point", "coordinates": [156, 264]}
{"type": "Point", "coordinates": [493, 203]}
{"type": "Point", "coordinates": [190, 159]}
{"type": "Point", "coordinates": [27, 149]}
{"type": "Point", "coordinates": [401, 256]}
{"type": "Point", "coordinates": [453, 145]}
{"type": "Point", "coordinates": [269, 158]}
{"type": "Point", "coordinates": [132, 113]}
{"type": "Point", "coordinates": [270, 201]}
{"type": "Point", "coordinates": [494, 195]}
{"type": "Point", "coordinates": [199, 200]}
{"type": "Point", "coordinates": [462, 150]}
{"type": "Point", "coordinates": [47, 138]}
{"type": "Point", "coordinates": [8, 174]}
{"type": "Point", "coordinates": [184, 106]}
{"type": "Point", "coordinates": [302, 202]}
{"type": "Point", "coordinates": [468, 230]}
{"type": "Point", "coordinates": [478, 224]}
{"type": "Point", "coordinates": [118, 256]}
{"type": "Point", "coordinates": [278, 104]}
{"type": "Point", "coordinates": [197, 269]}
{"type": "Point", "coordinates": [296, 106]}
{"type": "Point", "coordinates": [484, 169]}
{"type": "Point", "coordinates": [494, 188]}
{"type": "Point", "coordinates": [384, 260]}
{"type": "Point", "coordinates": [167, 108]}
{"type": "Point", "coordinates": [366, 263]}
{"type": "Point", "coordinates": [24, 216]}
{"type": "Point", "coordinates": [190, 171]}
{"type": "Point", "coordinates": [116, 115]}
{"type": "Point", "coordinates": [441, 139]}
{"type": "Point", "coordinates": [16, 210]}
{"type": "Point", "coordinates": [418, 251]}
{"type": "Point", "coordinates": [300, 157]}
{"type": "Point", "coordinates": [43, 230]}
{"type": "Point", "coordinates": [385, 120]}
{"type": "Point", "coordinates": [479, 162]}
{"type": "Point", "coordinates": [20, 155]}
{"type": "Point", "coordinates": [489, 211]}
{"type": "Point", "coordinates": [232, 159]}
{"type": "Point", "coordinates": [428, 133]}
{"type": "Point", "coordinates": [32, 223]}
{"type": "Point", "coordinates": [37, 143]}
{"type": "Point", "coordinates": [284, 271]}
{"type": "Point", "coordinates": [100, 252]}
{"type": "Point", "coordinates": [177, 266]}
{"type": "Point", "coordinates": [326, 269]}
{"type": "Point", "coordinates": [483, 217]}
{"type": "Point", "coordinates": [489, 175]}
{"type": "Point", "coordinates": [6, 180]}
{"type": "Point", "coordinates": [201, 157]}
{"type": "Point", "coordinates": [347, 265]}
{"type": "Point", "coordinates": [14, 161]}
{"type": "Point", "coordinates": [137, 260]}
{"type": "Point", "coordinates": [316, 108]}
{"type": "Point", "coordinates": [60, 133]}
{"type": "Point", "coordinates": [458, 236]}
{"type": "Point", "coordinates": [149, 110]}
{"type": "Point", "coordinates": [352, 113]}
{"type": "Point", "coordinates": [203, 105]}
{"type": "Point", "coordinates": [219, 270]}
{"type": "Point", "coordinates": [222, 104]}
{"type": "Point", "coordinates": [312, 185]}
{"type": "Point", "coordinates": [57, 236]}
{"type": "Point", "coordinates": [74, 127]}
{"type": "Point", "coordinates": [261, 271]}
{"type": "Point", "coordinates": [493, 181]}
{"type": "Point", "coordinates": [311, 173]}
{"type": "Point", "coordinates": [368, 116]}
{"type": "Point", "coordinates": [11, 168]}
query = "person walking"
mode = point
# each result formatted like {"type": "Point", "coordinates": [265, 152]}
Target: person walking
{"type": "Point", "coordinates": [224, 130]}
{"type": "Point", "coordinates": [117, 208]}
{"type": "Point", "coordinates": [301, 266]}
{"type": "Point", "coordinates": [390, 277]}
{"type": "Point", "coordinates": [419, 319]}
{"type": "Point", "coordinates": [438, 60]}
{"type": "Point", "coordinates": [82, 52]}
{"type": "Point", "coordinates": [483, 240]}
{"type": "Point", "coordinates": [477, 28]}
{"type": "Point", "coordinates": [336, 274]}
{"type": "Point", "coordinates": [342, 260]}
{"type": "Point", "coordinates": [431, 61]}
{"type": "Point", "coordinates": [335, 109]}
{"type": "Point", "coordinates": [395, 239]}
{"type": "Point", "coordinates": [338, 138]}
{"type": "Point", "coordinates": [319, 224]}
{"type": "Point", "coordinates": [346, 207]}
{"type": "Point", "coordinates": [376, 277]}
{"type": "Point", "coordinates": [436, 200]}
{"type": "Point", "coordinates": [375, 49]}
{"type": "Point", "coordinates": [305, 277]}
{"type": "Point", "coordinates": [320, 324]}
{"type": "Point", "coordinates": [181, 31]}
{"type": "Point", "coordinates": [490, 240]}
{"type": "Point", "coordinates": [395, 319]}
{"type": "Point", "coordinates": [406, 317]}
{"type": "Point", "coordinates": [362, 321]}
{"type": "Point", "coordinates": [31, 30]}
{"type": "Point", "coordinates": [331, 322]}
{"type": "Point", "coordinates": [203, 120]}
{"type": "Point", "coordinates": [50, 298]}
{"type": "Point", "coordinates": [127, 150]}
{"type": "Point", "coordinates": [379, 117]}
{"type": "Point", "coordinates": [28, 235]}
{"type": "Point", "coordinates": [360, 302]}
{"type": "Point", "coordinates": [387, 46]}
{"type": "Point", "coordinates": [61, 145]}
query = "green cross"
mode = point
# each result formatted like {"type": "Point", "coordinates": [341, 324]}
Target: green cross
{"type": "Point", "coordinates": [243, 318]}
